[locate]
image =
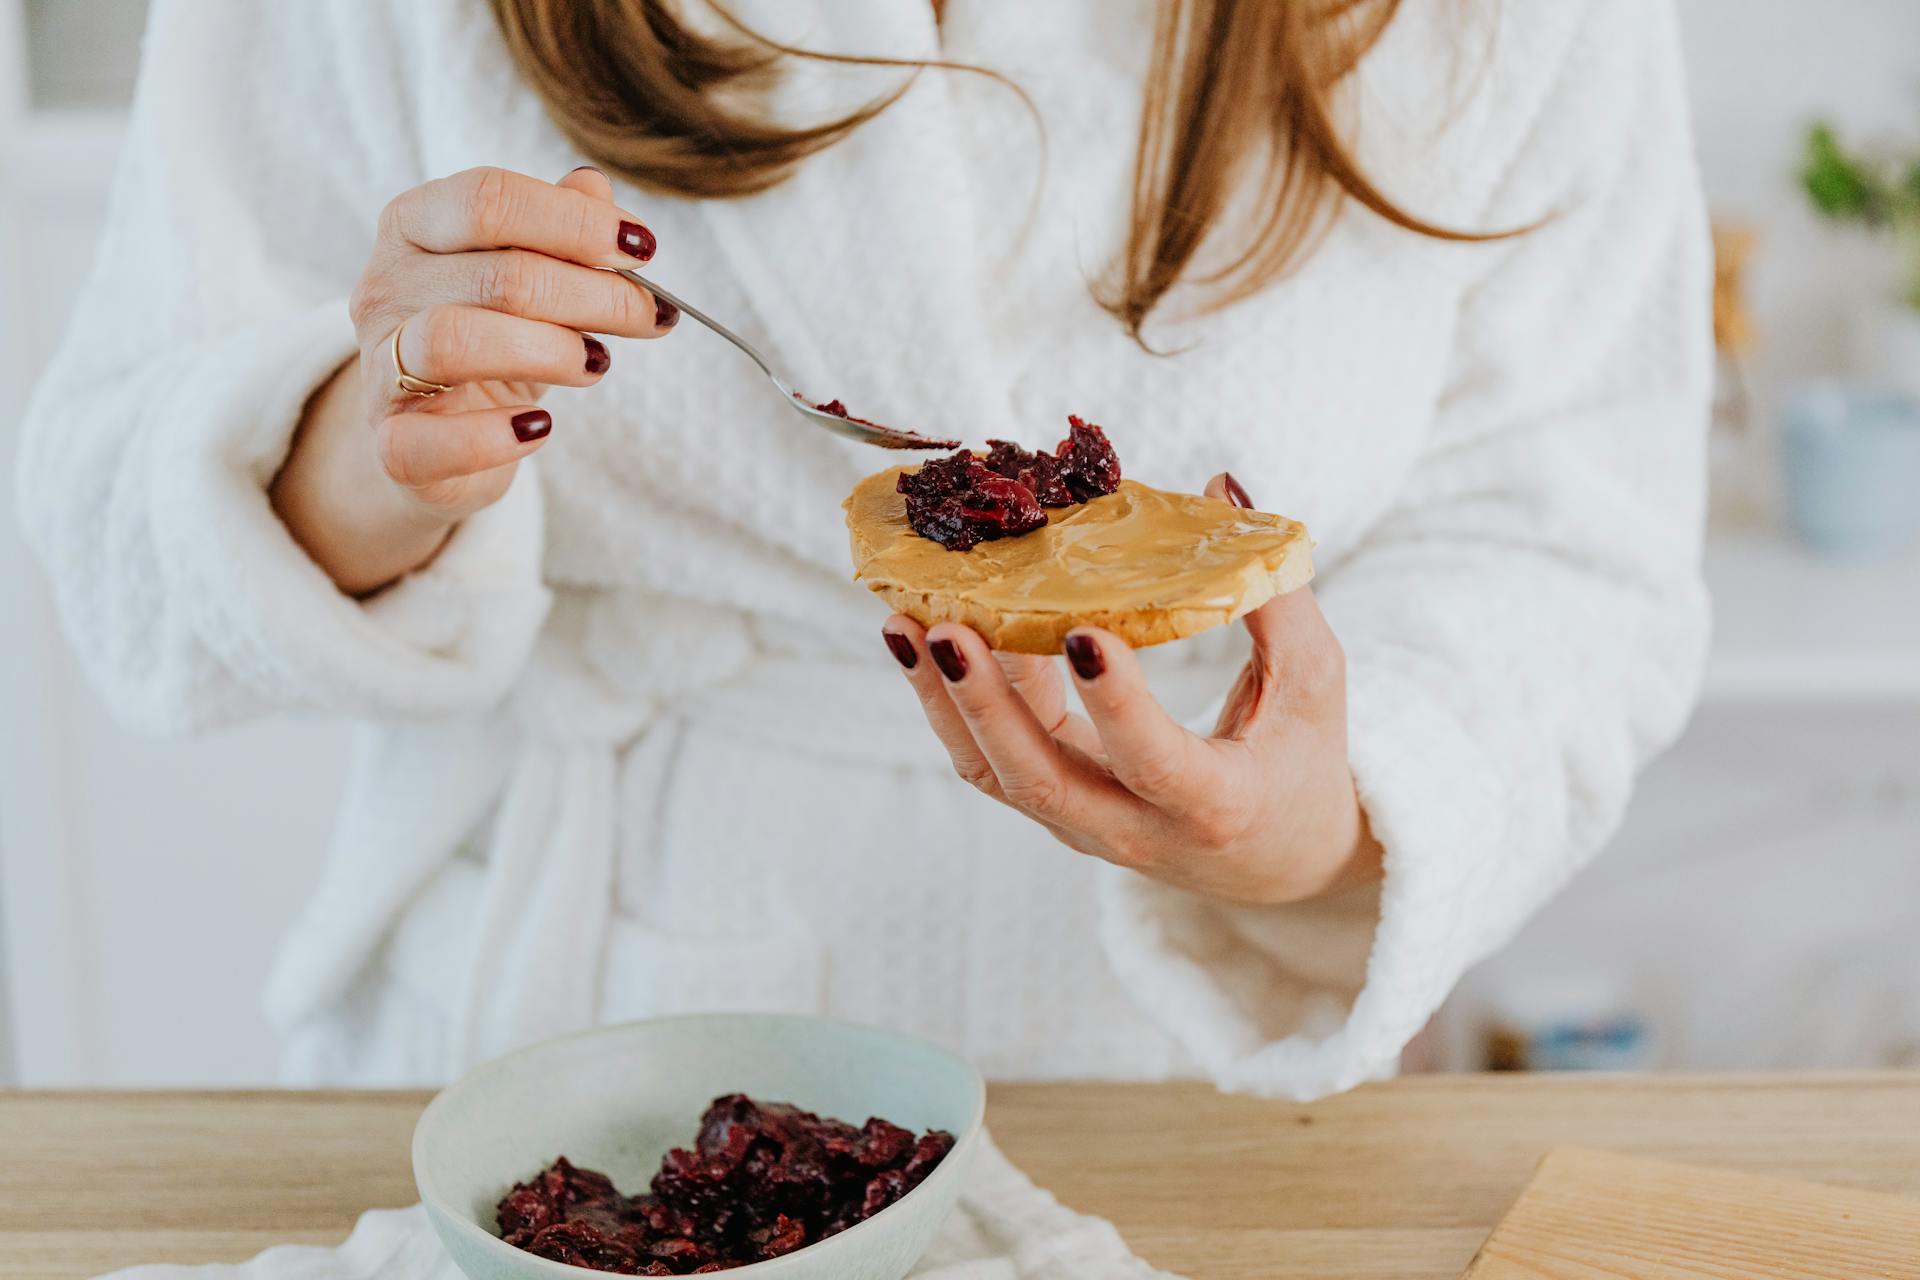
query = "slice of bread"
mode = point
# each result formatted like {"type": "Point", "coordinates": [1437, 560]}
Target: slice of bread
{"type": "Point", "coordinates": [1147, 565]}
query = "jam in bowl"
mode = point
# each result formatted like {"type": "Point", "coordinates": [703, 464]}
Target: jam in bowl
{"type": "Point", "coordinates": [657, 1107]}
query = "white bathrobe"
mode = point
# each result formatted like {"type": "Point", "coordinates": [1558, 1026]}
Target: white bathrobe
{"type": "Point", "coordinates": [633, 745]}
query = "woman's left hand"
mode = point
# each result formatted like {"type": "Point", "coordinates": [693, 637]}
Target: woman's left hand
{"type": "Point", "coordinates": [1263, 811]}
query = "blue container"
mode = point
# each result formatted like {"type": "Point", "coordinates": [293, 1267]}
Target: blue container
{"type": "Point", "coordinates": [1851, 466]}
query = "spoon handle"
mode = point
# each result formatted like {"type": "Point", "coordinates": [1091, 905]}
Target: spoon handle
{"type": "Point", "coordinates": [746, 347]}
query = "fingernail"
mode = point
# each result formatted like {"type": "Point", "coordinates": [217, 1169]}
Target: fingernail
{"type": "Point", "coordinates": [598, 360]}
{"type": "Point", "coordinates": [1235, 494]}
{"type": "Point", "coordinates": [1085, 657]}
{"type": "Point", "coordinates": [583, 167]}
{"type": "Point", "coordinates": [635, 241]}
{"type": "Point", "coordinates": [947, 657]}
{"type": "Point", "coordinates": [665, 314]}
{"type": "Point", "coordinates": [903, 651]}
{"type": "Point", "coordinates": [532, 424]}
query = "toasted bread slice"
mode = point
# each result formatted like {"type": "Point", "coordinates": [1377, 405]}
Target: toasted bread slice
{"type": "Point", "coordinates": [1147, 565]}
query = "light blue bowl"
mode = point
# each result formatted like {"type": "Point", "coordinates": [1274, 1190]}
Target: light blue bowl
{"type": "Point", "coordinates": [1851, 465]}
{"type": "Point", "coordinates": [617, 1098]}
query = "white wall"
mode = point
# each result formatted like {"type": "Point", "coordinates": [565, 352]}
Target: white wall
{"type": "Point", "coordinates": [1761, 70]}
{"type": "Point", "coordinates": [142, 883]}
{"type": "Point", "coordinates": [1761, 905]}
{"type": "Point", "coordinates": [1760, 909]}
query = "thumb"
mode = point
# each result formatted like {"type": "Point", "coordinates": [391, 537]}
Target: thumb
{"type": "Point", "coordinates": [1227, 489]}
{"type": "Point", "coordinates": [1287, 626]}
{"type": "Point", "coordinates": [588, 181]}
{"type": "Point", "coordinates": [1289, 622]}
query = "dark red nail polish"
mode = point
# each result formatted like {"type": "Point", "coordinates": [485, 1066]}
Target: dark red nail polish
{"type": "Point", "coordinates": [1085, 657]}
{"type": "Point", "coordinates": [947, 657]}
{"type": "Point", "coordinates": [532, 424]}
{"type": "Point", "coordinates": [598, 359]}
{"type": "Point", "coordinates": [635, 241]}
{"type": "Point", "coordinates": [665, 314]}
{"type": "Point", "coordinates": [903, 650]}
{"type": "Point", "coordinates": [1235, 494]}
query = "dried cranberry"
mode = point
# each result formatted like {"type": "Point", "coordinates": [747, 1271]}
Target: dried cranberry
{"type": "Point", "coordinates": [1088, 465]}
{"type": "Point", "coordinates": [885, 1188]}
{"type": "Point", "coordinates": [877, 1145]}
{"type": "Point", "coordinates": [584, 1245]}
{"type": "Point", "coordinates": [759, 1181]}
{"type": "Point", "coordinates": [561, 1192]}
{"type": "Point", "coordinates": [927, 1153]}
{"type": "Point", "coordinates": [1039, 472]}
{"type": "Point", "coordinates": [959, 503]}
{"type": "Point", "coordinates": [683, 1254]}
{"type": "Point", "coordinates": [782, 1235]}
{"type": "Point", "coordinates": [964, 500]}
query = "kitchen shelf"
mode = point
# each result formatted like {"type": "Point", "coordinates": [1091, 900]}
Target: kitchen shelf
{"type": "Point", "coordinates": [76, 55]}
{"type": "Point", "coordinates": [1790, 628]}
{"type": "Point", "coordinates": [61, 153]}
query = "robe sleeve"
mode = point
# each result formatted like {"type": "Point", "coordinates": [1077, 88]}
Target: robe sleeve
{"type": "Point", "coordinates": [1524, 626]}
{"type": "Point", "coordinates": [263, 141]}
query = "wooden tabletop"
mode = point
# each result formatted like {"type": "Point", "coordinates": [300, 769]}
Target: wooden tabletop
{"type": "Point", "coordinates": [1399, 1180]}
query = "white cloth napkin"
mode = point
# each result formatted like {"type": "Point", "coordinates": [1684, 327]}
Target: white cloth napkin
{"type": "Point", "coordinates": [1004, 1228]}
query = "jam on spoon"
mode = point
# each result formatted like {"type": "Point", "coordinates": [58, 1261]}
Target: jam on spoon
{"type": "Point", "coordinates": [907, 439]}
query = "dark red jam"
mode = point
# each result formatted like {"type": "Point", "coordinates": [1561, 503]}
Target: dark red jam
{"type": "Point", "coordinates": [906, 439]}
{"type": "Point", "coordinates": [762, 1179]}
{"type": "Point", "coordinates": [966, 499]}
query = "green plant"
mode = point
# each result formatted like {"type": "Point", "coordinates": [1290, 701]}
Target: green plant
{"type": "Point", "coordinates": [1881, 192]}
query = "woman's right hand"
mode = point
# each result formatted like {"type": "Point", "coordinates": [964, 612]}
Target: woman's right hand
{"type": "Point", "coordinates": [489, 278]}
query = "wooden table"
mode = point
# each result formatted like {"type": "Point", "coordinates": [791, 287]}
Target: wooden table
{"type": "Point", "coordinates": [1397, 1180]}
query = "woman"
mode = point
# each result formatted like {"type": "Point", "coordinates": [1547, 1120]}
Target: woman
{"type": "Point", "coordinates": [633, 745]}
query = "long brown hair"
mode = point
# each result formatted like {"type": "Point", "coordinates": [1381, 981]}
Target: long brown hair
{"type": "Point", "coordinates": [1238, 90]}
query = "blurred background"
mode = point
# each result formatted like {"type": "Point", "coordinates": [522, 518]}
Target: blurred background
{"type": "Point", "coordinates": [1760, 908]}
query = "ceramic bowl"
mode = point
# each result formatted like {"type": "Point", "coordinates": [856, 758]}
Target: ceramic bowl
{"type": "Point", "coordinates": [1851, 457]}
{"type": "Point", "coordinates": [617, 1098]}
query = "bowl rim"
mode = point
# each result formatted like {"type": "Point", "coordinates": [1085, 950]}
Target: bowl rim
{"type": "Point", "coordinates": [951, 1167]}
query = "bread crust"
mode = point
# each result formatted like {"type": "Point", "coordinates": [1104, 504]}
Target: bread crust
{"type": "Point", "coordinates": [1276, 558]}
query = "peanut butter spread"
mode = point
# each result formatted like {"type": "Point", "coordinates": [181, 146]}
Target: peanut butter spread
{"type": "Point", "coordinates": [1139, 550]}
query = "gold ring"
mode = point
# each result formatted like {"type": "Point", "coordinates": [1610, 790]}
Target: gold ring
{"type": "Point", "coordinates": [407, 382]}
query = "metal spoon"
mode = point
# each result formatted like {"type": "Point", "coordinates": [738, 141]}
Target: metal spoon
{"type": "Point", "coordinates": [821, 416]}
